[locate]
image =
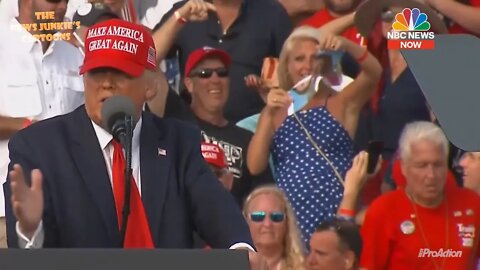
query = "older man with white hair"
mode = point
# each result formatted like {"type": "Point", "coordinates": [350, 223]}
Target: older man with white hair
{"type": "Point", "coordinates": [425, 225]}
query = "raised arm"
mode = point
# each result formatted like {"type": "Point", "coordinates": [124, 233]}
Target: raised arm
{"type": "Point", "coordinates": [355, 179]}
{"type": "Point", "coordinates": [467, 16]}
{"type": "Point", "coordinates": [173, 21]}
{"type": "Point", "coordinates": [339, 25]}
{"type": "Point", "coordinates": [278, 101]}
{"type": "Point", "coordinates": [357, 94]}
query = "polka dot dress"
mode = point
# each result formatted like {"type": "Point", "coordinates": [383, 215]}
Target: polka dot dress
{"type": "Point", "coordinates": [303, 174]}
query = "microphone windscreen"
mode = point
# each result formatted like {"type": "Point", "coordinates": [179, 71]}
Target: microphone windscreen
{"type": "Point", "coordinates": [115, 108]}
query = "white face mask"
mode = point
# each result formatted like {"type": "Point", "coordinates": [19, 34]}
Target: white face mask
{"type": "Point", "coordinates": [82, 44]}
{"type": "Point", "coordinates": [303, 91]}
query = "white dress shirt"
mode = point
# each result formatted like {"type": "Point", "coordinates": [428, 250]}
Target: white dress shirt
{"type": "Point", "coordinates": [34, 84]}
{"type": "Point", "coordinates": [8, 10]}
{"type": "Point", "coordinates": [104, 139]}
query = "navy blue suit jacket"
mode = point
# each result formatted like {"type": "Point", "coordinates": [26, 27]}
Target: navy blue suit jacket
{"type": "Point", "coordinates": [179, 192]}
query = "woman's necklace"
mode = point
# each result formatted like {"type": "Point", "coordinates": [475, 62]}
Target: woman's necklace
{"type": "Point", "coordinates": [422, 231]}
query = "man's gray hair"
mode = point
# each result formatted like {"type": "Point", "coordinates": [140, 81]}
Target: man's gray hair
{"type": "Point", "coordinates": [421, 131]}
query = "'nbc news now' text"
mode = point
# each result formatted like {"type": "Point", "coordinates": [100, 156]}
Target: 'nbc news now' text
{"type": "Point", "coordinates": [411, 40]}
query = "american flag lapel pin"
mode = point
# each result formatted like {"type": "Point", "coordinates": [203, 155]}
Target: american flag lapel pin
{"type": "Point", "coordinates": [162, 152]}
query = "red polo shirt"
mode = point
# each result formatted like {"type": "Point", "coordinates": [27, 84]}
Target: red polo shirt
{"type": "Point", "coordinates": [396, 236]}
{"type": "Point", "coordinates": [322, 17]}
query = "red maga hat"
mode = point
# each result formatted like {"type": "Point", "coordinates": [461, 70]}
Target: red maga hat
{"type": "Point", "coordinates": [200, 54]}
{"type": "Point", "coordinates": [119, 44]}
{"type": "Point", "coordinates": [214, 155]}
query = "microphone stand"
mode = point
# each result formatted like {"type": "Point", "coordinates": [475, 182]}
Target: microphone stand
{"type": "Point", "coordinates": [127, 145]}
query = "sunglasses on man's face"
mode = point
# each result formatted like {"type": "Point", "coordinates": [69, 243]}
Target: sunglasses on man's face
{"type": "Point", "coordinates": [206, 73]}
{"type": "Point", "coordinates": [260, 216]}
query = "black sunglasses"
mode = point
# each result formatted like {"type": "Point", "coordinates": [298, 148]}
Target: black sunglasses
{"type": "Point", "coordinates": [387, 16]}
{"type": "Point", "coordinates": [55, 1]}
{"type": "Point", "coordinates": [206, 73]}
{"type": "Point", "coordinates": [259, 216]}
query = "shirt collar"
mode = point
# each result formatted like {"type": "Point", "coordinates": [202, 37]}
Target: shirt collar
{"type": "Point", "coordinates": [25, 36]}
{"type": "Point", "coordinates": [104, 138]}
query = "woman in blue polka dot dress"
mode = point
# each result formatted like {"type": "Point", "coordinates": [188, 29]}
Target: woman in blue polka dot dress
{"type": "Point", "coordinates": [313, 148]}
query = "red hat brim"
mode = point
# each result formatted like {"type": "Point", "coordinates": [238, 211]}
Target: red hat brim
{"type": "Point", "coordinates": [213, 53]}
{"type": "Point", "coordinates": [127, 66]}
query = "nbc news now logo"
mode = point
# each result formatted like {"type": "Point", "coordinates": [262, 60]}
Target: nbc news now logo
{"type": "Point", "coordinates": [411, 31]}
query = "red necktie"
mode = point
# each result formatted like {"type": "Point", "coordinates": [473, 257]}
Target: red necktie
{"type": "Point", "coordinates": [138, 233]}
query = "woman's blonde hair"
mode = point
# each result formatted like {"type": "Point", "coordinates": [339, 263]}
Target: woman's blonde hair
{"type": "Point", "coordinates": [293, 256]}
{"type": "Point", "coordinates": [300, 34]}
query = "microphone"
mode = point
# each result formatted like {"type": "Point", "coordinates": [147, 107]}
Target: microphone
{"type": "Point", "coordinates": [116, 112]}
{"type": "Point", "coordinates": [117, 117]}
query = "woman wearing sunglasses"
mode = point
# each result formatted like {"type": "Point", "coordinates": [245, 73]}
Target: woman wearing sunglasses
{"type": "Point", "coordinates": [273, 224]}
{"type": "Point", "coordinates": [312, 148]}
{"type": "Point", "coordinates": [274, 230]}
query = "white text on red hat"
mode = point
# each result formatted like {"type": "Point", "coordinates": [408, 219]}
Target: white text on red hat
{"type": "Point", "coordinates": [211, 148]}
{"type": "Point", "coordinates": [115, 31]}
{"type": "Point", "coordinates": [121, 45]}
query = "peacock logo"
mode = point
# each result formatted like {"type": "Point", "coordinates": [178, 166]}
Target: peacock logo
{"type": "Point", "coordinates": [411, 20]}
{"type": "Point", "coordinates": [411, 31]}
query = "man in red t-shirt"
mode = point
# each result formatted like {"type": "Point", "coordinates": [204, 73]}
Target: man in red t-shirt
{"type": "Point", "coordinates": [339, 15]}
{"type": "Point", "coordinates": [464, 17]}
{"type": "Point", "coordinates": [424, 225]}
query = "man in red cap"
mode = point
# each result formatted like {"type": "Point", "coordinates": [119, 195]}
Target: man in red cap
{"type": "Point", "coordinates": [73, 198]}
{"type": "Point", "coordinates": [207, 80]}
{"type": "Point", "coordinates": [249, 30]}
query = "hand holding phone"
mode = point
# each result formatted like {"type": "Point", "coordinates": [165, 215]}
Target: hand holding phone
{"type": "Point", "coordinates": [374, 150]}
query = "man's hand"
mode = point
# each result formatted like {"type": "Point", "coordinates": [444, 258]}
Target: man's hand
{"type": "Point", "coordinates": [253, 81]}
{"type": "Point", "coordinates": [357, 176]}
{"type": "Point", "coordinates": [196, 10]}
{"type": "Point", "coordinates": [27, 202]}
{"type": "Point", "coordinates": [277, 99]}
{"type": "Point", "coordinates": [227, 180]}
{"type": "Point", "coordinates": [330, 42]}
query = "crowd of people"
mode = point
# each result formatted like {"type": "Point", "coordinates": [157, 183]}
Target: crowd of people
{"type": "Point", "coordinates": [281, 98]}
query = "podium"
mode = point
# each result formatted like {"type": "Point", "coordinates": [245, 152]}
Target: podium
{"type": "Point", "coordinates": [123, 259]}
